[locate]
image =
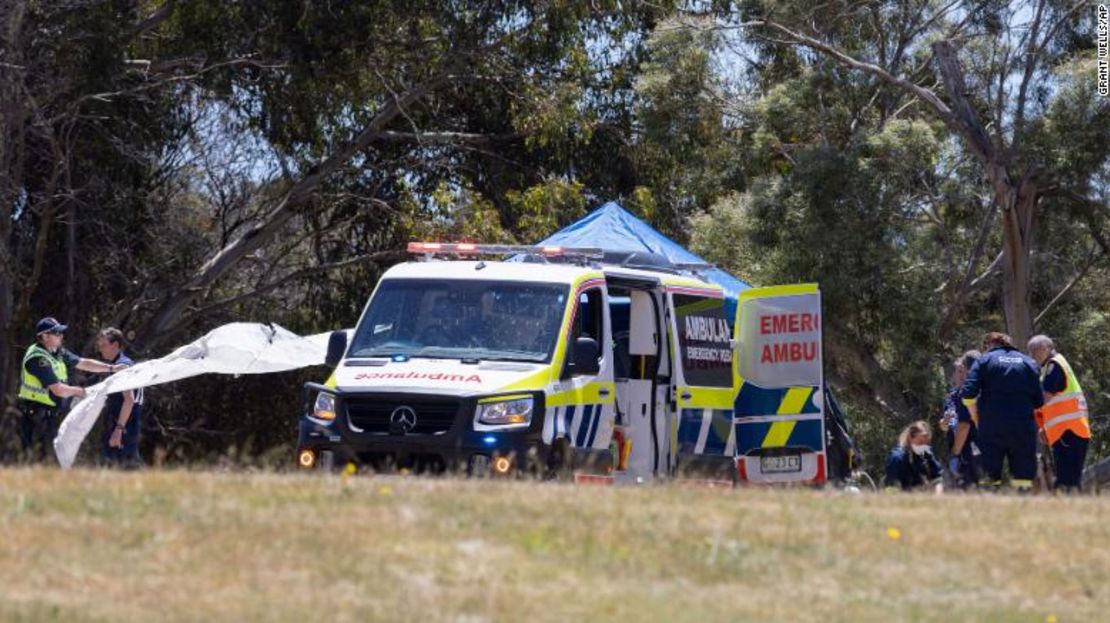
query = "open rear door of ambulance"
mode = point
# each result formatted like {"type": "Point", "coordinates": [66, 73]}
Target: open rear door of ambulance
{"type": "Point", "coordinates": [704, 385]}
{"type": "Point", "coordinates": [779, 412]}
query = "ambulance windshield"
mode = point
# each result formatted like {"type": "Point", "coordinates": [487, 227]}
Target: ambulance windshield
{"type": "Point", "coordinates": [463, 319]}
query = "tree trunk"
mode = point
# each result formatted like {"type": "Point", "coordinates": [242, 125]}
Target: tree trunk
{"type": "Point", "coordinates": [70, 306]}
{"type": "Point", "coordinates": [12, 115]}
{"type": "Point", "coordinates": [1017, 200]}
{"type": "Point", "coordinates": [1018, 240]}
{"type": "Point", "coordinates": [7, 349]}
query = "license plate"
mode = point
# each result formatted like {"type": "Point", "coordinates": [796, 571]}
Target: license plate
{"type": "Point", "coordinates": [780, 464]}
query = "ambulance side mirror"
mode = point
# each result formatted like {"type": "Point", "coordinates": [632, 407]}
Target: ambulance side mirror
{"type": "Point", "coordinates": [584, 358]}
{"type": "Point", "coordinates": [337, 345]}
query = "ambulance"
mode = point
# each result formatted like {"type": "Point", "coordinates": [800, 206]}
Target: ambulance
{"type": "Point", "coordinates": [571, 363]}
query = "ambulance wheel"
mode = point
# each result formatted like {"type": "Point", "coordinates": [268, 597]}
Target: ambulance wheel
{"type": "Point", "coordinates": [560, 465]}
{"type": "Point", "coordinates": [532, 467]}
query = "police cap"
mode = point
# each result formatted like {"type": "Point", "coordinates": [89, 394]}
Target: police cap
{"type": "Point", "coordinates": [50, 325]}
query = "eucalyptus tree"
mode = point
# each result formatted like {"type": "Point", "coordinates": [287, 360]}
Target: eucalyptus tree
{"type": "Point", "coordinates": [170, 165]}
{"type": "Point", "coordinates": [993, 73]}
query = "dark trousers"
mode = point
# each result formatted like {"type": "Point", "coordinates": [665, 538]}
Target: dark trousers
{"type": "Point", "coordinates": [968, 474]}
{"type": "Point", "coordinates": [1018, 447]}
{"type": "Point", "coordinates": [127, 455]}
{"type": "Point", "coordinates": [1069, 452]}
{"type": "Point", "coordinates": [38, 425]}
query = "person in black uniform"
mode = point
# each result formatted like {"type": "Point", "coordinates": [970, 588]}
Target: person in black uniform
{"type": "Point", "coordinates": [45, 390]}
{"type": "Point", "coordinates": [911, 464]}
{"type": "Point", "coordinates": [122, 411]}
{"type": "Point", "coordinates": [1002, 391]}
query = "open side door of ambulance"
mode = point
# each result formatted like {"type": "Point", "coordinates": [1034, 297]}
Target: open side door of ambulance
{"type": "Point", "coordinates": [641, 406]}
{"type": "Point", "coordinates": [779, 408]}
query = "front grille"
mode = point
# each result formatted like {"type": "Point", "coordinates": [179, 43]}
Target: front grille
{"type": "Point", "coordinates": [372, 414]}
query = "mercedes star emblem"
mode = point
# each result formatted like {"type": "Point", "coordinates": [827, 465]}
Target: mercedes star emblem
{"type": "Point", "coordinates": [404, 418]}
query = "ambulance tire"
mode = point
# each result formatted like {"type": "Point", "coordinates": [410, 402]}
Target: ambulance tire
{"type": "Point", "coordinates": [560, 461]}
{"type": "Point", "coordinates": [533, 467]}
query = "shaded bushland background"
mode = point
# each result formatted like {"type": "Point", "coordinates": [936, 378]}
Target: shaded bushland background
{"type": "Point", "coordinates": [939, 167]}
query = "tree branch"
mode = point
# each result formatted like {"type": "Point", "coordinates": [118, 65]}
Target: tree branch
{"type": "Point", "coordinates": [967, 122]}
{"type": "Point", "coordinates": [440, 138]}
{"type": "Point", "coordinates": [293, 276]}
{"type": "Point", "coordinates": [962, 119]}
{"type": "Point", "coordinates": [108, 96]}
{"type": "Point", "coordinates": [948, 326]}
{"type": "Point", "coordinates": [1092, 257]}
{"type": "Point", "coordinates": [260, 234]}
{"type": "Point", "coordinates": [1031, 54]}
{"type": "Point", "coordinates": [992, 268]}
{"type": "Point", "coordinates": [939, 107]}
{"type": "Point", "coordinates": [153, 20]}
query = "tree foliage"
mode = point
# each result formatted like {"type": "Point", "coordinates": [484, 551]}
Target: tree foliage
{"type": "Point", "coordinates": [912, 158]}
{"type": "Point", "coordinates": [167, 167]}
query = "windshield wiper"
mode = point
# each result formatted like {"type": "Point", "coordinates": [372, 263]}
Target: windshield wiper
{"type": "Point", "coordinates": [407, 355]}
{"type": "Point", "coordinates": [515, 355]}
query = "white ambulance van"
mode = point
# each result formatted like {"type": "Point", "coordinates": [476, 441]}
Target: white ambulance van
{"type": "Point", "coordinates": [568, 363]}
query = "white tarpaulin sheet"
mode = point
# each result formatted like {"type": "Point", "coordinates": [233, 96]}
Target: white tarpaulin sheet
{"type": "Point", "coordinates": [236, 348]}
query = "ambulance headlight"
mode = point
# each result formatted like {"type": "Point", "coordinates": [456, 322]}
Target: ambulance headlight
{"type": "Point", "coordinates": [324, 409]}
{"type": "Point", "coordinates": [511, 413]}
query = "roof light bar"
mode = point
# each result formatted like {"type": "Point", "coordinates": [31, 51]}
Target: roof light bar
{"type": "Point", "coordinates": [694, 266]}
{"type": "Point", "coordinates": [468, 248]}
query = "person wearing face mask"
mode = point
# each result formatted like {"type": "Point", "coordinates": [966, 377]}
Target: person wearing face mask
{"type": "Point", "coordinates": [911, 464]}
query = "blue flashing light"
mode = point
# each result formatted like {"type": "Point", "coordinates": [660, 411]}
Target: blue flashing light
{"type": "Point", "coordinates": [400, 358]}
{"type": "Point", "coordinates": [489, 439]}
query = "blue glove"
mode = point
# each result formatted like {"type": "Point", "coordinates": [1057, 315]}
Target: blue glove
{"type": "Point", "coordinates": [954, 465]}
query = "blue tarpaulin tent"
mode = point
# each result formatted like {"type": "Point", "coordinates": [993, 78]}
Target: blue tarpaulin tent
{"type": "Point", "coordinates": [613, 228]}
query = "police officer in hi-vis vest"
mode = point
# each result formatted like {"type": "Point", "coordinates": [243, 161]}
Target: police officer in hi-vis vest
{"type": "Point", "coordinates": [1063, 418]}
{"type": "Point", "coordinates": [45, 386]}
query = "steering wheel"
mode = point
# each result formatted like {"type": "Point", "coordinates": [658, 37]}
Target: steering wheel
{"type": "Point", "coordinates": [397, 344]}
{"type": "Point", "coordinates": [434, 335]}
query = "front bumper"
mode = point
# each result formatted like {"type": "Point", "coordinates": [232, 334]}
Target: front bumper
{"type": "Point", "coordinates": [361, 433]}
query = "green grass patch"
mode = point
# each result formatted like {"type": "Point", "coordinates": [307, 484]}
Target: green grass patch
{"type": "Point", "coordinates": [181, 545]}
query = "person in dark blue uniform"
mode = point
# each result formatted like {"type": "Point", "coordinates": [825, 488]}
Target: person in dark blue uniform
{"type": "Point", "coordinates": [956, 422]}
{"type": "Point", "coordinates": [911, 464]}
{"type": "Point", "coordinates": [122, 411]}
{"type": "Point", "coordinates": [1002, 391]}
{"type": "Point", "coordinates": [45, 389]}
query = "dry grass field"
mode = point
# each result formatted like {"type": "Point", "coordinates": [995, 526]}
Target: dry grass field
{"type": "Point", "coordinates": [178, 545]}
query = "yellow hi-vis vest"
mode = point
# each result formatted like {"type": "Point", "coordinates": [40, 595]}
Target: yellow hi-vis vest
{"type": "Point", "coordinates": [31, 389]}
{"type": "Point", "coordinates": [1066, 410]}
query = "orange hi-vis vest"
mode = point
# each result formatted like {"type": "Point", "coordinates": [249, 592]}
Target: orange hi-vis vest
{"type": "Point", "coordinates": [1064, 411]}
